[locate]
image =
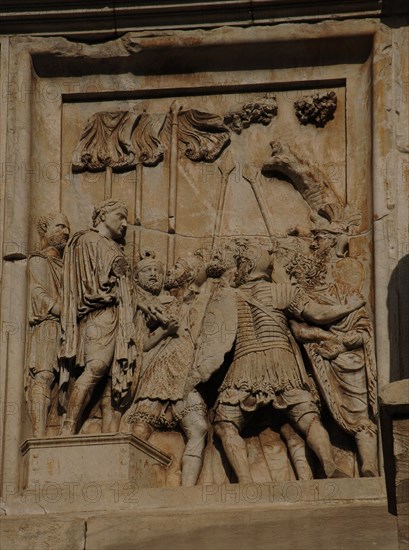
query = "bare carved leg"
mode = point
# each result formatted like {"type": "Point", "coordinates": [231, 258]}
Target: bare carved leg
{"type": "Point", "coordinates": [39, 401]}
{"type": "Point", "coordinates": [296, 447]}
{"type": "Point", "coordinates": [195, 427]}
{"type": "Point", "coordinates": [318, 440]}
{"type": "Point", "coordinates": [368, 452]}
{"type": "Point", "coordinates": [81, 394]}
{"type": "Point", "coordinates": [79, 398]}
{"type": "Point", "coordinates": [110, 417]}
{"type": "Point", "coordinates": [235, 449]}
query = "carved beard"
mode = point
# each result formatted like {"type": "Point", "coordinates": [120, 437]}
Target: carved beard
{"type": "Point", "coordinates": [153, 287]}
{"type": "Point", "coordinates": [173, 280]}
{"type": "Point", "coordinates": [58, 241]}
{"type": "Point", "coordinates": [170, 282]}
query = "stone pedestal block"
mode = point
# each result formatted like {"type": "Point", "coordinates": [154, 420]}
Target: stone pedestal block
{"type": "Point", "coordinates": [91, 459]}
{"type": "Point", "coordinates": [394, 400]}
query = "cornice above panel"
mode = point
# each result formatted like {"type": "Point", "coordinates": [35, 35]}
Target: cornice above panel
{"type": "Point", "coordinates": [98, 19]}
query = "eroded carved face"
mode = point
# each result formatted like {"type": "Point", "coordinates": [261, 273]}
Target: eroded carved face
{"type": "Point", "coordinates": [259, 268]}
{"type": "Point", "coordinates": [58, 232]}
{"type": "Point", "coordinates": [199, 270]}
{"type": "Point", "coordinates": [178, 275]}
{"type": "Point", "coordinates": [151, 278]}
{"type": "Point", "coordinates": [116, 223]}
{"type": "Point", "coordinates": [244, 267]}
{"type": "Point", "coordinates": [322, 244]}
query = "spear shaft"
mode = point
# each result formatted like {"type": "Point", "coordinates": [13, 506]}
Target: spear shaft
{"type": "Point", "coordinates": [226, 167]}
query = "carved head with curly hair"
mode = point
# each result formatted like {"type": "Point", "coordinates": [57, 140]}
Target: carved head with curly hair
{"type": "Point", "coordinates": [54, 230]}
{"type": "Point", "coordinates": [187, 272]}
{"type": "Point", "coordinates": [253, 260]}
{"type": "Point", "coordinates": [110, 219]}
{"type": "Point", "coordinates": [221, 262]}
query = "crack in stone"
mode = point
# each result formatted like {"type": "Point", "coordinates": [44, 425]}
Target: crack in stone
{"type": "Point", "coordinates": [85, 534]}
{"type": "Point", "coordinates": [237, 236]}
{"type": "Point", "coordinates": [42, 508]}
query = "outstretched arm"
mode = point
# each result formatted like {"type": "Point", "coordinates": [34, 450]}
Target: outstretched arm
{"type": "Point", "coordinates": [305, 333]}
{"type": "Point", "coordinates": [326, 314]}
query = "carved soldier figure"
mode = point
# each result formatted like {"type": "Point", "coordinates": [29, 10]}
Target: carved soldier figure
{"type": "Point", "coordinates": [97, 314]}
{"type": "Point", "coordinates": [343, 363]}
{"type": "Point", "coordinates": [162, 400]}
{"type": "Point", "coordinates": [267, 368]}
{"type": "Point", "coordinates": [45, 283]}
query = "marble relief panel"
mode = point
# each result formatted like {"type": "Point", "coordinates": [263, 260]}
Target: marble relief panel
{"type": "Point", "coordinates": [209, 298]}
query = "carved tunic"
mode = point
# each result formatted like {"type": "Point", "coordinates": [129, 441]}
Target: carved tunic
{"type": "Point", "coordinates": [166, 366]}
{"type": "Point", "coordinates": [266, 359]}
{"type": "Point", "coordinates": [164, 395]}
{"type": "Point", "coordinates": [45, 278]}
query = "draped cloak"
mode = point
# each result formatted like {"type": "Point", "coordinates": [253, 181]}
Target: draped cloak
{"type": "Point", "coordinates": [347, 382]}
{"type": "Point", "coordinates": [90, 285]}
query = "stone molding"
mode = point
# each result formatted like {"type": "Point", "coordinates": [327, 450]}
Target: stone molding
{"type": "Point", "coordinates": [111, 18]}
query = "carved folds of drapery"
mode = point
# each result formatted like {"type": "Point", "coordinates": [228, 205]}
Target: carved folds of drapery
{"type": "Point", "coordinates": [121, 139]}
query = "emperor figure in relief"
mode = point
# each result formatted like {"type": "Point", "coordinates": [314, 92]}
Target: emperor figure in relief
{"type": "Point", "coordinates": [97, 317]}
